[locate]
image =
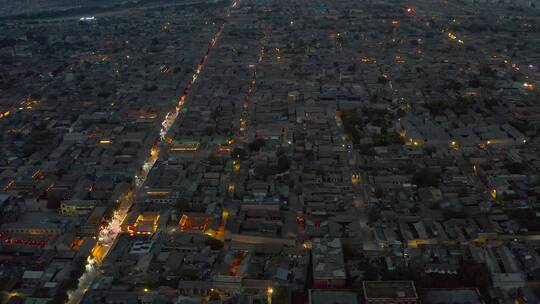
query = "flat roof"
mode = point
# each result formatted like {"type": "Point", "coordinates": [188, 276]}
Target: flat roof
{"type": "Point", "coordinates": [328, 259]}
{"type": "Point", "coordinates": [451, 295]}
{"type": "Point", "coordinates": [389, 289]}
{"type": "Point", "coordinates": [317, 296]}
{"type": "Point", "coordinates": [38, 220]}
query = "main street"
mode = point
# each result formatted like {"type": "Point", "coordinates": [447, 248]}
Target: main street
{"type": "Point", "coordinates": [107, 237]}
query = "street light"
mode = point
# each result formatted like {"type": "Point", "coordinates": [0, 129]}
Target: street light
{"type": "Point", "coordinates": [269, 292]}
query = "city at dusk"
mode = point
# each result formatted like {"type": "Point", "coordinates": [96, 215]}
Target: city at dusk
{"type": "Point", "coordinates": [269, 152]}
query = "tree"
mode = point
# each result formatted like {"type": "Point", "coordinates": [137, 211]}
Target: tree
{"type": "Point", "coordinates": [189, 274]}
{"type": "Point", "coordinates": [257, 144]}
{"type": "Point", "coordinates": [476, 275]}
{"type": "Point", "coordinates": [379, 192]}
{"type": "Point", "coordinates": [208, 131]}
{"type": "Point", "coordinates": [491, 102]}
{"type": "Point", "coordinates": [374, 215]}
{"type": "Point", "coordinates": [214, 160]}
{"type": "Point", "coordinates": [426, 178]}
{"type": "Point", "coordinates": [213, 243]}
{"type": "Point", "coordinates": [382, 80]}
{"type": "Point", "coordinates": [454, 85]}
{"type": "Point", "coordinates": [264, 171]}
{"type": "Point", "coordinates": [486, 70]}
{"type": "Point", "coordinates": [150, 87]}
{"type": "Point", "coordinates": [475, 83]}
{"type": "Point", "coordinates": [182, 205]}
{"type": "Point", "coordinates": [516, 168]}
{"type": "Point", "coordinates": [53, 202]}
{"type": "Point", "coordinates": [283, 164]}
{"type": "Point", "coordinates": [351, 123]}
{"type": "Point", "coordinates": [239, 153]}
{"type": "Point", "coordinates": [370, 272]}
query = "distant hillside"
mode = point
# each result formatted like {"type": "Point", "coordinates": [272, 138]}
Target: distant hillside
{"type": "Point", "coordinates": [57, 8]}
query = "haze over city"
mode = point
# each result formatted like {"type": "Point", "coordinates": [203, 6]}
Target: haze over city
{"type": "Point", "coordinates": [269, 151]}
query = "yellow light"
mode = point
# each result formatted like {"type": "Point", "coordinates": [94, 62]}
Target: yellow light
{"type": "Point", "coordinates": [105, 142]}
{"type": "Point", "coordinates": [356, 179]}
{"type": "Point", "coordinates": [528, 85]}
{"type": "Point", "coordinates": [488, 142]}
{"type": "Point", "coordinates": [494, 193]}
{"type": "Point", "coordinates": [157, 193]}
{"type": "Point", "coordinates": [14, 294]}
{"type": "Point", "coordinates": [270, 290]}
{"type": "Point", "coordinates": [183, 149]}
{"type": "Point", "coordinates": [146, 290]}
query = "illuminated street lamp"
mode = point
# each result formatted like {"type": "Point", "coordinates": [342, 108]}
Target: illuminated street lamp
{"type": "Point", "coordinates": [269, 292]}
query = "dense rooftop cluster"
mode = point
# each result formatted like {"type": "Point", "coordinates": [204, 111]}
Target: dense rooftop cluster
{"type": "Point", "coordinates": [271, 152]}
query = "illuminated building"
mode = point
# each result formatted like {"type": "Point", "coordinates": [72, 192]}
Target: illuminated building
{"type": "Point", "coordinates": [38, 175]}
{"type": "Point", "coordinates": [32, 231]}
{"type": "Point", "coordinates": [223, 149]}
{"type": "Point", "coordinates": [146, 223]}
{"type": "Point", "coordinates": [184, 146]}
{"type": "Point", "coordinates": [77, 207]}
{"type": "Point", "coordinates": [198, 223]}
{"type": "Point", "coordinates": [98, 252]}
{"type": "Point", "coordinates": [161, 196]}
{"type": "Point", "coordinates": [36, 224]}
{"type": "Point", "coordinates": [157, 193]}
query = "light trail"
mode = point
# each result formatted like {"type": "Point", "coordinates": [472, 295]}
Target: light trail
{"type": "Point", "coordinates": [108, 235]}
{"type": "Point", "coordinates": [172, 116]}
{"type": "Point", "coordinates": [251, 88]}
